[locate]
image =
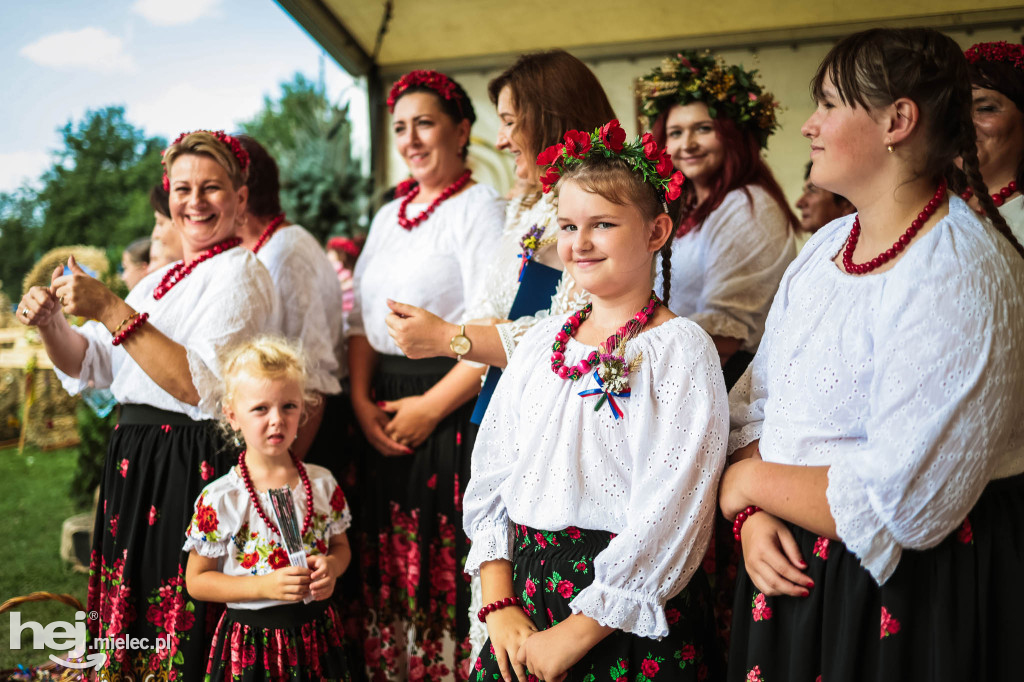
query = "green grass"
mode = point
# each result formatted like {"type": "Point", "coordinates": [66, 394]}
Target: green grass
{"type": "Point", "coordinates": [33, 505]}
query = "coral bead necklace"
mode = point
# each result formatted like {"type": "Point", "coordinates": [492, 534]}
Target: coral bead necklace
{"type": "Point", "coordinates": [898, 246]}
{"type": "Point", "coordinates": [446, 193]}
{"type": "Point", "coordinates": [183, 270]}
{"type": "Point", "coordinates": [268, 232]}
{"type": "Point", "coordinates": [307, 521]}
{"type": "Point", "coordinates": [998, 198]}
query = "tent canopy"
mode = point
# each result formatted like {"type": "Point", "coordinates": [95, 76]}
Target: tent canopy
{"type": "Point", "coordinates": [452, 35]}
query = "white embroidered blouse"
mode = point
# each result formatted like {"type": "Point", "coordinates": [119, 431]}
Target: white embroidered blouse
{"type": "Point", "coordinates": [226, 525]}
{"type": "Point", "coordinates": [546, 459]}
{"type": "Point", "coordinates": [223, 301]}
{"type": "Point", "coordinates": [906, 383]}
{"type": "Point", "coordinates": [494, 299]}
{"type": "Point", "coordinates": [436, 265]}
{"type": "Point", "coordinates": [725, 275]}
{"type": "Point", "coordinates": [311, 305]}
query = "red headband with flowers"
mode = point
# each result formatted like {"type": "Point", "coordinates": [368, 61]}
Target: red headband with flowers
{"type": "Point", "coordinates": [343, 244]}
{"type": "Point", "coordinates": [435, 80]}
{"type": "Point", "coordinates": [1000, 51]}
{"type": "Point", "coordinates": [233, 144]}
{"type": "Point", "coordinates": [643, 155]}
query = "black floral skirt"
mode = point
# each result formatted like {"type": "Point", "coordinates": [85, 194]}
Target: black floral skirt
{"type": "Point", "coordinates": [296, 642]}
{"type": "Point", "coordinates": [947, 614]}
{"type": "Point", "coordinates": [551, 567]}
{"type": "Point", "coordinates": [413, 546]}
{"type": "Point", "coordinates": [156, 466]}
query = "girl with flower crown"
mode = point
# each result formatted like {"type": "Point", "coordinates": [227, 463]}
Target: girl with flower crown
{"type": "Point", "coordinates": [877, 482]}
{"type": "Point", "coordinates": [158, 352]}
{"type": "Point", "coordinates": [594, 472]}
{"type": "Point", "coordinates": [279, 624]}
{"type": "Point", "coordinates": [737, 232]}
{"type": "Point", "coordinates": [430, 247]}
{"type": "Point", "coordinates": [997, 80]}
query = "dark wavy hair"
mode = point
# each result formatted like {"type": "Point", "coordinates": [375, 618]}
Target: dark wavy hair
{"type": "Point", "coordinates": [264, 182]}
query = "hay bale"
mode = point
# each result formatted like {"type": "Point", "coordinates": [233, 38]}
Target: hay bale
{"type": "Point", "coordinates": [89, 256]}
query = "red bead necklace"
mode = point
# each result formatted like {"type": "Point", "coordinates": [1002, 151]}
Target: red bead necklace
{"type": "Point", "coordinates": [446, 193]}
{"type": "Point", "coordinates": [568, 330]}
{"type": "Point", "coordinates": [268, 233]}
{"type": "Point", "coordinates": [181, 270]}
{"type": "Point", "coordinates": [898, 246]}
{"type": "Point", "coordinates": [307, 521]}
{"type": "Point", "coordinates": [999, 198]}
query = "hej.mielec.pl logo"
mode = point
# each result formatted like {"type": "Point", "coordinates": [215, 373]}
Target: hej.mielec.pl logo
{"type": "Point", "coordinates": [72, 638]}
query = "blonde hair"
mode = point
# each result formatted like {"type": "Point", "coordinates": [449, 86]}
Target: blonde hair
{"type": "Point", "coordinates": [204, 143]}
{"type": "Point", "coordinates": [266, 357]}
{"type": "Point", "coordinates": [614, 180]}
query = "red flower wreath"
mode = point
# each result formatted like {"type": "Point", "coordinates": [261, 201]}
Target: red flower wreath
{"type": "Point", "coordinates": [232, 143]}
{"type": "Point", "coordinates": [999, 51]}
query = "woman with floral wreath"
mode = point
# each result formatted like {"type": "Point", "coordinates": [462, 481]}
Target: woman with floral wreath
{"type": "Point", "coordinates": [538, 98]}
{"type": "Point", "coordinates": [157, 351]}
{"type": "Point", "coordinates": [737, 234]}
{"type": "Point", "coordinates": [429, 247]}
{"type": "Point", "coordinates": [997, 77]}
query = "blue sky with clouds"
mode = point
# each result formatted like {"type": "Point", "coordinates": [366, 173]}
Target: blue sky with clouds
{"type": "Point", "coordinates": [174, 64]}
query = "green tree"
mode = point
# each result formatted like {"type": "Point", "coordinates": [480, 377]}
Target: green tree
{"type": "Point", "coordinates": [96, 193]}
{"type": "Point", "coordinates": [322, 186]}
{"type": "Point", "coordinates": [18, 222]}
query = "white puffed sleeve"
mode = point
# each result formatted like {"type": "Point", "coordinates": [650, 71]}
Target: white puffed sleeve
{"type": "Point", "coordinates": [245, 305]}
{"type": "Point", "coordinates": [484, 513]}
{"type": "Point", "coordinates": [329, 501]}
{"type": "Point", "coordinates": [946, 377]}
{"type": "Point", "coordinates": [97, 368]}
{"type": "Point", "coordinates": [677, 447]}
{"type": "Point", "coordinates": [217, 518]}
{"type": "Point", "coordinates": [747, 246]}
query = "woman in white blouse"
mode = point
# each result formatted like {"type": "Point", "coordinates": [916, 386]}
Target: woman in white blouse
{"type": "Point", "coordinates": [738, 233]}
{"type": "Point", "coordinates": [879, 427]}
{"type": "Point", "coordinates": [997, 77]}
{"type": "Point", "coordinates": [164, 371]}
{"type": "Point", "coordinates": [430, 247]}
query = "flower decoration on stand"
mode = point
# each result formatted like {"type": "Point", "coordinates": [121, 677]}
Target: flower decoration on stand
{"type": "Point", "coordinates": [728, 91]}
{"type": "Point", "coordinates": [643, 156]}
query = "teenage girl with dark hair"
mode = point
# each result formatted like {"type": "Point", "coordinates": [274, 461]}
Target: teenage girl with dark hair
{"type": "Point", "coordinates": [876, 483]}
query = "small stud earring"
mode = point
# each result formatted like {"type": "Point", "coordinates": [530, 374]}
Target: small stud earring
{"type": "Point", "coordinates": [889, 148]}
{"type": "Point", "coordinates": [239, 442]}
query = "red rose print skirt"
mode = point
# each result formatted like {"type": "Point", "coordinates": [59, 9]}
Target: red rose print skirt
{"type": "Point", "coordinates": [157, 464]}
{"type": "Point", "coordinates": [296, 642]}
{"type": "Point", "coordinates": [412, 543]}
{"type": "Point", "coordinates": [551, 567]}
{"type": "Point", "coordinates": [949, 613]}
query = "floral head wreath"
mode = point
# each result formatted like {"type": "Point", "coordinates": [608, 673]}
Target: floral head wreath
{"type": "Point", "coordinates": [343, 244]}
{"type": "Point", "coordinates": [728, 91]}
{"type": "Point", "coordinates": [233, 144]}
{"type": "Point", "coordinates": [435, 80]}
{"type": "Point", "coordinates": [643, 156]}
{"type": "Point", "coordinates": [1000, 51]}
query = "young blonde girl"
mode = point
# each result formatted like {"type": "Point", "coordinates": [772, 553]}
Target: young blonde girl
{"type": "Point", "coordinates": [879, 425]}
{"type": "Point", "coordinates": [237, 554]}
{"type": "Point", "coordinates": [593, 482]}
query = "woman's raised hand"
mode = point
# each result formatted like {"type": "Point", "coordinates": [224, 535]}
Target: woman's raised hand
{"type": "Point", "coordinates": [418, 332]}
{"type": "Point", "coordinates": [39, 304]}
{"type": "Point", "coordinates": [80, 294]}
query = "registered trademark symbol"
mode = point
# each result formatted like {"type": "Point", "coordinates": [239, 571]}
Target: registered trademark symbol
{"type": "Point", "coordinates": [93, 615]}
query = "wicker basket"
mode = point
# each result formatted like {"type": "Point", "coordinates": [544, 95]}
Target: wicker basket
{"type": "Point", "coordinates": [47, 671]}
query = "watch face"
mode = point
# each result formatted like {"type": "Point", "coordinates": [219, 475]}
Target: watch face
{"type": "Point", "coordinates": [460, 345]}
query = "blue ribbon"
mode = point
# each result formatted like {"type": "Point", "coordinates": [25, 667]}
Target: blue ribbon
{"type": "Point", "coordinates": [605, 394]}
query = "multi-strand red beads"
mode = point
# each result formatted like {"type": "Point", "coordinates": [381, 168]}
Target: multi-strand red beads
{"type": "Point", "coordinates": [900, 244]}
{"type": "Point", "coordinates": [268, 233]}
{"type": "Point", "coordinates": [737, 525]}
{"type": "Point", "coordinates": [999, 198]}
{"type": "Point", "coordinates": [134, 322]}
{"type": "Point", "coordinates": [181, 270]}
{"type": "Point", "coordinates": [568, 330]}
{"type": "Point", "coordinates": [446, 193]}
{"type": "Point", "coordinates": [495, 606]}
{"type": "Point", "coordinates": [307, 521]}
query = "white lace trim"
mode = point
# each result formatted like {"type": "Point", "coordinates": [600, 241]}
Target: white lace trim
{"type": "Point", "coordinates": [624, 610]}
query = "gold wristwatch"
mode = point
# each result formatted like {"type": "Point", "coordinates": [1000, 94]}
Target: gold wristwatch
{"type": "Point", "coordinates": [460, 343]}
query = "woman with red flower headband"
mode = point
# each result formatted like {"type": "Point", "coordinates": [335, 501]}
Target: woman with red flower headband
{"type": "Point", "coordinates": [997, 76]}
{"type": "Point", "coordinates": [737, 234]}
{"type": "Point", "coordinates": [430, 247]}
{"type": "Point", "coordinates": [877, 476]}
{"type": "Point", "coordinates": [157, 351]}
{"type": "Point", "coordinates": [590, 510]}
